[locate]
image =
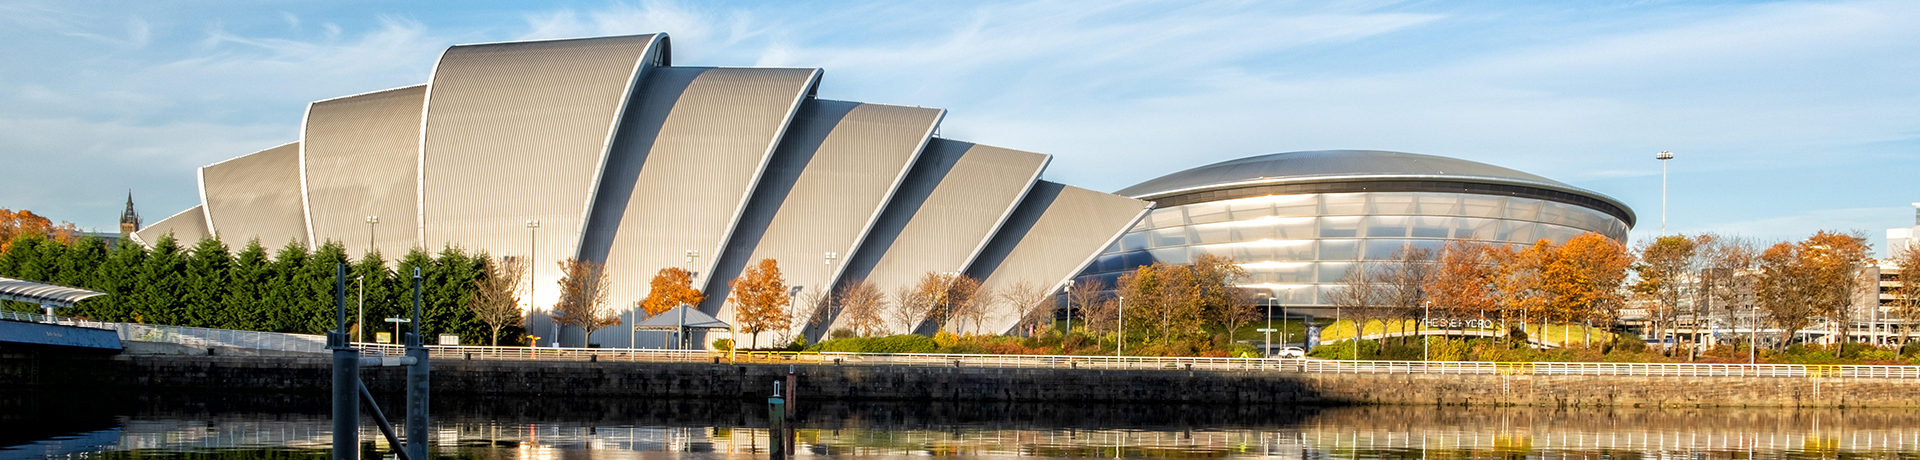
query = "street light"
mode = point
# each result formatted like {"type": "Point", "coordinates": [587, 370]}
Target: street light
{"type": "Point", "coordinates": [791, 295]}
{"type": "Point", "coordinates": [691, 254]}
{"type": "Point", "coordinates": [1267, 298]}
{"type": "Point", "coordinates": [533, 266]}
{"type": "Point", "coordinates": [1663, 156]}
{"type": "Point", "coordinates": [396, 327]}
{"type": "Point", "coordinates": [1069, 292]}
{"type": "Point", "coordinates": [947, 296]}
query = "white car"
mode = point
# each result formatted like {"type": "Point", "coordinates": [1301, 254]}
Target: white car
{"type": "Point", "coordinates": [1291, 353]}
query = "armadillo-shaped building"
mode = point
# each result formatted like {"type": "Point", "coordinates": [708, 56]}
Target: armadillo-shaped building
{"type": "Point", "coordinates": [601, 149]}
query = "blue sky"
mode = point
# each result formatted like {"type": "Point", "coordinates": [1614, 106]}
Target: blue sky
{"type": "Point", "coordinates": [1787, 117]}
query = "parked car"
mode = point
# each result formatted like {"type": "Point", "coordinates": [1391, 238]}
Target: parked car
{"type": "Point", "coordinates": [1291, 353]}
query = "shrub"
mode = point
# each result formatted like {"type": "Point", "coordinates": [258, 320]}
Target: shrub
{"type": "Point", "coordinates": [723, 344]}
{"type": "Point", "coordinates": [841, 333]}
{"type": "Point", "coordinates": [904, 343]}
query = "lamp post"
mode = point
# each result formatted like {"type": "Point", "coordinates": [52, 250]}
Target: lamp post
{"type": "Point", "coordinates": [396, 326]}
{"type": "Point", "coordinates": [691, 254]}
{"type": "Point", "coordinates": [361, 316]}
{"type": "Point", "coordinates": [1421, 326]}
{"type": "Point", "coordinates": [1663, 156]}
{"type": "Point", "coordinates": [792, 294]}
{"type": "Point", "coordinates": [533, 266]}
{"type": "Point", "coordinates": [1267, 298]}
{"type": "Point", "coordinates": [828, 290]}
{"type": "Point", "coordinates": [1120, 341]}
{"type": "Point", "coordinates": [947, 296]}
{"type": "Point", "coordinates": [1069, 292]}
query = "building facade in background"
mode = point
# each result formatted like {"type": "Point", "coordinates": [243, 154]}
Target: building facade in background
{"type": "Point", "coordinates": [600, 149]}
{"type": "Point", "coordinates": [1298, 221]}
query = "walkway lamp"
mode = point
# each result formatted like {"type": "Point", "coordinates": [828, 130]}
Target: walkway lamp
{"type": "Point", "coordinates": [1663, 156]}
{"type": "Point", "coordinates": [396, 327]}
{"type": "Point", "coordinates": [1267, 298]}
{"type": "Point", "coordinates": [1120, 342]}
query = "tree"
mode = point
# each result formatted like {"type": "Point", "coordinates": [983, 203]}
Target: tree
{"type": "Point", "coordinates": [247, 282]}
{"type": "Point", "coordinates": [978, 304]}
{"type": "Point", "coordinates": [1838, 262]}
{"type": "Point", "coordinates": [1145, 289]}
{"type": "Point", "coordinates": [909, 308]}
{"type": "Point", "coordinates": [670, 288]}
{"type": "Point", "coordinates": [1906, 291]}
{"type": "Point", "coordinates": [160, 278]}
{"type": "Point", "coordinates": [1403, 283]}
{"type": "Point", "coordinates": [862, 306]}
{"type": "Point", "coordinates": [1215, 296]}
{"type": "Point", "coordinates": [1786, 288]}
{"type": "Point", "coordinates": [205, 280]}
{"type": "Point", "coordinates": [1461, 284]}
{"type": "Point", "coordinates": [1086, 299]}
{"type": "Point", "coordinates": [946, 296]}
{"type": "Point", "coordinates": [760, 300]}
{"type": "Point", "coordinates": [23, 222]}
{"type": "Point", "coordinates": [1360, 297]}
{"type": "Point", "coordinates": [584, 287]}
{"type": "Point", "coordinates": [1666, 265]}
{"type": "Point", "coordinates": [1030, 302]}
{"type": "Point", "coordinates": [496, 297]}
{"type": "Point", "coordinates": [1584, 279]}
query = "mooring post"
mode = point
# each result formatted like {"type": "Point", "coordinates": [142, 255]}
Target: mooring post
{"type": "Point", "coordinates": [777, 423]}
{"type": "Point", "coordinates": [417, 382]}
{"type": "Point", "coordinates": [791, 389]}
{"type": "Point", "coordinates": [346, 376]}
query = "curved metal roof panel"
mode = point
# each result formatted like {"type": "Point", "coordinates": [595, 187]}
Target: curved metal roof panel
{"type": "Point", "coordinates": [1056, 232]}
{"type": "Point", "coordinates": [256, 196]}
{"type": "Point", "coordinates": [38, 293]}
{"type": "Point", "coordinates": [189, 226]}
{"type": "Point", "coordinates": [359, 157]}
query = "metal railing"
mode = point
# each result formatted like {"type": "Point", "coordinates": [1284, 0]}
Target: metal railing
{"type": "Point", "coordinates": [206, 337]}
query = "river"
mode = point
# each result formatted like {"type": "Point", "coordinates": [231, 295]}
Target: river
{"type": "Point", "coordinates": [191, 426]}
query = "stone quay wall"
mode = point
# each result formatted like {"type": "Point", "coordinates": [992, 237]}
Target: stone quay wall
{"type": "Point", "coordinates": [481, 378]}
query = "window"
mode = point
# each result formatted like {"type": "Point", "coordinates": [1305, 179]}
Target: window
{"type": "Point", "coordinates": [1387, 227]}
{"type": "Point", "coordinates": [1339, 227]}
{"type": "Point", "coordinates": [1392, 203]}
{"type": "Point", "coordinates": [1339, 249]}
{"type": "Point", "coordinates": [1343, 204]}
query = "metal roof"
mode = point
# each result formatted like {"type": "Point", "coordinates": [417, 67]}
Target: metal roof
{"type": "Point", "coordinates": [43, 293]}
{"type": "Point", "coordinates": [1341, 166]}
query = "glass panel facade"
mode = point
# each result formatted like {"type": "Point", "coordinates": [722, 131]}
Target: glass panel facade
{"type": "Point", "coordinates": [1297, 247]}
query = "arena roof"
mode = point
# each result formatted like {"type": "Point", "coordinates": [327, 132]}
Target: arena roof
{"type": "Point", "coordinates": [1346, 166]}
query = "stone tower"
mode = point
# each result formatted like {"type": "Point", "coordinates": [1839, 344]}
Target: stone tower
{"type": "Point", "coordinates": [129, 219]}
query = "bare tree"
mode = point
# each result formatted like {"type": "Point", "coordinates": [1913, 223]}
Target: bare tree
{"type": "Point", "coordinates": [1359, 297]}
{"type": "Point", "coordinates": [862, 306]}
{"type": "Point", "coordinates": [1085, 299]}
{"type": "Point", "coordinates": [496, 297]}
{"type": "Point", "coordinates": [1728, 280]}
{"type": "Point", "coordinates": [1403, 283]}
{"type": "Point", "coordinates": [1029, 301]}
{"type": "Point", "coordinates": [583, 297]}
{"type": "Point", "coordinates": [909, 308]}
{"type": "Point", "coordinates": [1666, 265]}
{"type": "Point", "coordinates": [1906, 291]}
{"type": "Point", "coordinates": [978, 305]}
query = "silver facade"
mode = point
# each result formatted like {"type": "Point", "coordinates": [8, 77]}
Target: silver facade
{"type": "Point", "coordinates": [1046, 241]}
{"type": "Point", "coordinates": [357, 161]}
{"type": "Point", "coordinates": [1298, 221]}
{"type": "Point", "coordinates": [189, 225]}
{"type": "Point", "coordinates": [625, 159]}
{"type": "Point", "coordinates": [256, 196]}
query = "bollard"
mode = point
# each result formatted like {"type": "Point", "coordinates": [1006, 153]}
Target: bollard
{"type": "Point", "coordinates": [777, 418]}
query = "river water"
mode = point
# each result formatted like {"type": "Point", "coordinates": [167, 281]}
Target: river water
{"type": "Point", "coordinates": [192, 426]}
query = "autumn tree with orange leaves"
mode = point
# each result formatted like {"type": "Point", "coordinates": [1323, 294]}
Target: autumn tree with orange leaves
{"type": "Point", "coordinates": [1583, 281]}
{"type": "Point", "coordinates": [14, 224]}
{"type": "Point", "coordinates": [1461, 285]}
{"type": "Point", "coordinates": [760, 300]}
{"type": "Point", "coordinates": [584, 288]}
{"type": "Point", "coordinates": [670, 288]}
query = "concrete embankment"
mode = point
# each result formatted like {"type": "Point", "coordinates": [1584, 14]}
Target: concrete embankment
{"type": "Point", "coordinates": [300, 374]}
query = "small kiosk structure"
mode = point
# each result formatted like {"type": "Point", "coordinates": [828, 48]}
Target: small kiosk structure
{"type": "Point", "coordinates": [677, 322]}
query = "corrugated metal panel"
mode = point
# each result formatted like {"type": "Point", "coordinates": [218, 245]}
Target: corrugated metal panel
{"type": "Point", "coordinates": [822, 190]}
{"type": "Point", "coordinates": [1057, 230]}
{"type": "Point", "coordinates": [518, 132]}
{"type": "Point", "coordinates": [359, 157]}
{"type": "Point", "coordinates": [682, 167]}
{"type": "Point", "coordinates": [256, 196]}
{"type": "Point", "coordinates": [953, 200]}
{"type": "Point", "coordinates": [188, 226]}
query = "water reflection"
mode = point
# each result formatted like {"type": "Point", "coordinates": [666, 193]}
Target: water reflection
{"type": "Point", "coordinates": [185, 427]}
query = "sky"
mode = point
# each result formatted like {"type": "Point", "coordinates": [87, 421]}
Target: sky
{"type": "Point", "coordinates": [1785, 117]}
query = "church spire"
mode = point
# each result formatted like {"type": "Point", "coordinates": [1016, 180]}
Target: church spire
{"type": "Point", "coordinates": [129, 219]}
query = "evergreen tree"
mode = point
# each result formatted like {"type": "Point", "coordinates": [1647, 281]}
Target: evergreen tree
{"type": "Point", "coordinates": [402, 294]}
{"type": "Point", "coordinates": [77, 270]}
{"type": "Point", "coordinates": [284, 290]}
{"type": "Point", "coordinates": [450, 287]}
{"type": "Point", "coordinates": [118, 276]}
{"type": "Point", "coordinates": [205, 285]}
{"type": "Point", "coordinates": [243, 304]}
{"type": "Point", "coordinates": [156, 298]}
{"type": "Point", "coordinates": [315, 312]}
{"type": "Point", "coordinates": [375, 282]}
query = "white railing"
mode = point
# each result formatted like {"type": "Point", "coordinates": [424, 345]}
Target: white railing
{"type": "Point", "coordinates": [206, 337]}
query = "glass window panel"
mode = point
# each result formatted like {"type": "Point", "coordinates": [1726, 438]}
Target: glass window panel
{"type": "Point", "coordinates": [1164, 218]}
{"type": "Point", "coordinates": [1133, 241]}
{"type": "Point", "coordinates": [1443, 204]}
{"type": "Point", "coordinates": [1392, 203]}
{"type": "Point", "coordinates": [1175, 256]}
{"type": "Point", "coordinates": [1332, 272]}
{"type": "Point", "coordinates": [1249, 209]}
{"type": "Point", "coordinates": [1112, 263]}
{"type": "Point", "coordinates": [1432, 227]}
{"type": "Point", "coordinates": [1522, 209]}
{"type": "Point", "coordinates": [1303, 295]}
{"type": "Point", "coordinates": [1136, 259]}
{"type": "Point", "coordinates": [1293, 273]}
{"type": "Point", "coordinates": [1520, 232]}
{"type": "Point", "coordinates": [1165, 237]}
{"type": "Point", "coordinates": [1553, 213]}
{"type": "Point", "coordinates": [1481, 205]}
{"type": "Point", "coordinates": [1432, 247]}
{"type": "Point", "coordinates": [1297, 205]}
{"type": "Point", "coordinates": [1384, 249]}
{"type": "Point", "coordinates": [1387, 226]}
{"type": "Point", "coordinates": [1296, 228]}
{"type": "Point", "coordinates": [1476, 229]}
{"type": "Point", "coordinates": [1212, 233]}
{"type": "Point", "coordinates": [1205, 213]}
{"type": "Point", "coordinates": [1339, 249]}
{"type": "Point", "coordinates": [1297, 250]}
{"type": "Point", "coordinates": [1339, 227]}
{"type": "Point", "coordinates": [1343, 204]}
{"type": "Point", "coordinates": [1254, 231]}
{"type": "Point", "coordinates": [1560, 234]}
